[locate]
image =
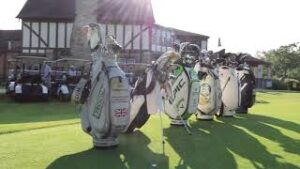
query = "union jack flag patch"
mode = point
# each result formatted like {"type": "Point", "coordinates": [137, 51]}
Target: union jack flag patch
{"type": "Point", "coordinates": [121, 112]}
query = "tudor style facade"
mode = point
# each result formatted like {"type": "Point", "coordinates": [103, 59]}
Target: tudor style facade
{"type": "Point", "coordinates": [47, 27]}
{"type": "Point", "coordinates": [41, 38]}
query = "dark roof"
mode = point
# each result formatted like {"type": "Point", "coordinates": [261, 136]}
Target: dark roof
{"type": "Point", "coordinates": [9, 35]}
{"type": "Point", "coordinates": [48, 9]}
{"type": "Point", "coordinates": [255, 61]}
{"type": "Point", "coordinates": [179, 32]}
{"type": "Point", "coordinates": [126, 11]}
{"type": "Point", "coordinates": [110, 11]}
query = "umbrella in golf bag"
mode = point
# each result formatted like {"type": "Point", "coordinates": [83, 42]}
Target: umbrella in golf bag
{"type": "Point", "coordinates": [230, 86]}
{"type": "Point", "coordinates": [185, 86]}
{"type": "Point", "coordinates": [146, 98]}
{"type": "Point", "coordinates": [210, 89]}
{"type": "Point", "coordinates": [105, 112]}
{"type": "Point", "coordinates": [247, 80]}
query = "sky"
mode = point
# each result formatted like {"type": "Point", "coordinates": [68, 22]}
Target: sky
{"type": "Point", "coordinates": [242, 25]}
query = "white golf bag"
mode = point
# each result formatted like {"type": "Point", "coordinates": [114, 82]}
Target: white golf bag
{"type": "Point", "coordinates": [105, 113]}
{"type": "Point", "coordinates": [185, 85]}
{"type": "Point", "coordinates": [231, 95]}
{"type": "Point", "coordinates": [210, 93]}
{"type": "Point", "coordinates": [185, 97]}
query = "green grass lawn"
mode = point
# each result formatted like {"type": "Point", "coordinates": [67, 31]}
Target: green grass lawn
{"type": "Point", "coordinates": [48, 135]}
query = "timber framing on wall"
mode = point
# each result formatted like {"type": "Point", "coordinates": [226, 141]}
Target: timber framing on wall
{"type": "Point", "coordinates": [39, 36]}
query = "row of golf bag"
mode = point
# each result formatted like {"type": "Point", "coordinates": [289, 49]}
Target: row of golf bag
{"type": "Point", "coordinates": [202, 83]}
{"type": "Point", "coordinates": [181, 82]}
{"type": "Point", "coordinates": [205, 84]}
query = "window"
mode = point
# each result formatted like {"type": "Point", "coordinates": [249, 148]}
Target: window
{"type": "Point", "coordinates": [204, 45]}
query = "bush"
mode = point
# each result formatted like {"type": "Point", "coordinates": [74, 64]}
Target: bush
{"type": "Point", "coordinates": [278, 85]}
{"type": "Point", "coordinates": [292, 85]}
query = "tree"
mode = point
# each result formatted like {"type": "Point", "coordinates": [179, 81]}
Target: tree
{"type": "Point", "coordinates": [285, 61]}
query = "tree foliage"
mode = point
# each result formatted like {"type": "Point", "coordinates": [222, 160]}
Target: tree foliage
{"type": "Point", "coordinates": [285, 61]}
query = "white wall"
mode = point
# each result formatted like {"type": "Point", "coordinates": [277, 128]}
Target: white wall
{"type": "Point", "coordinates": [44, 34]}
{"type": "Point", "coordinates": [125, 33]}
{"type": "Point", "coordinates": [49, 31]}
{"type": "Point", "coordinates": [161, 39]}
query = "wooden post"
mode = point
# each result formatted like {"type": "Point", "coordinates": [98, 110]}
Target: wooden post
{"type": "Point", "coordinates": [5, 66]}
{"type": "Point", "coordinates": [269, 72]}
{"type": "Point", "coordinates": [260, 76]}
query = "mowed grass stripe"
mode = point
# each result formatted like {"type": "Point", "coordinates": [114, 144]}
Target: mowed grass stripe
{"type": "Point", "coordinates": [267, 137]}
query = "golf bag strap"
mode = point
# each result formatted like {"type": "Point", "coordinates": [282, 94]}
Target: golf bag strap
{"type": "Point", "coordinates": [139, 90]}
{"type": "Point", "coordinates": [105, 70]}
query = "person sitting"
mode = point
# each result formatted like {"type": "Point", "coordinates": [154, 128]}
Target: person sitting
{"type": "Point", "coordinates": [72, 71]}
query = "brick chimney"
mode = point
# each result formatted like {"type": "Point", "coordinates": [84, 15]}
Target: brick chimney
{"type": "Point", "coordinates": [84, 14]}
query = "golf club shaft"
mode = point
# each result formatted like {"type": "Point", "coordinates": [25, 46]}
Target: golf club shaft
{"type": "Point", "coordinates": [162, 128]}
{"type": "Point", "coordinates": [162, 133]}
{"type": "Point", "coordinates": [184, 124]}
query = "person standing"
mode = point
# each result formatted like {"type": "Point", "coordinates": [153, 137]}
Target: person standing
{"type": "Point", "coordinates": [47, 75]}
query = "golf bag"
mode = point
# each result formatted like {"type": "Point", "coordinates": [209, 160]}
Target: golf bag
{"type": "Point", "coordinates": [185, 97]}
{"type": "Point", "coordinates": [106, 111]}
{"type": "Point", "coordinates": [248, 93]}
{"type": "Point", "coordinates": [145, 100]}
{"type": "Point", "coordinates": [210, 92]}
{"type": "Point", "coordinates": [231, 95]}
{"type": "Point", "coordinates": [146, 97]}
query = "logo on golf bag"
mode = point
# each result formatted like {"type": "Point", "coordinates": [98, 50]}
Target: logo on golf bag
{"type": "Point", "coordinates": [180, 105]}
{"type": "Point", "coordinates": [121, 112]}
{"type": "Point", "coordinates": [176, 90]}
{"type": "Point", "coordinates": [100, 102]}
{"type": "Point", "coordinates": [205, 90]}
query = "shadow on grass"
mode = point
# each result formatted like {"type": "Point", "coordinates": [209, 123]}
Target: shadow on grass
{"type": "Point", "coordinates": [277, 93]}
{"type": "Point", "coordinates": [249, 147]}
{"type": "Point", "coordinates": [13, 112]}
{"type": "Point", "coordinates": [203, 149]}
{"type": "Point", "coordinates": [262, 102]}
{"type": "Point", "coordinates": [213, 144]}
{"type": "Point", "coordinates": [122, 157]}
{"type": "Point", "coordinates": [273, 121]}
{"type": "Point", "coordinates": [262, 126]}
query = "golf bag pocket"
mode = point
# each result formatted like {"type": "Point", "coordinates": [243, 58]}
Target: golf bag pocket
{"type": "Point", "coordinates": [230, 88]}
{"type": "Point", "coordinates": [97, 107]}
{"type": "Point", "coordinates": [208, 97]}
{"type": "Point", "coordinates": [193, 95]}
{"type": "Point", "coordinates": [81, 91]}
{"type": "Point", "coordinates": [119, 99]}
